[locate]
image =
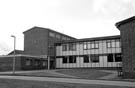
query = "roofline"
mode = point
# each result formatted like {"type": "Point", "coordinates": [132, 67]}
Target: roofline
{"type": "Point", "coordinates": [90, 39]}
{"type": "Point", "coordinates": [49, 30]}
{"type": "Point", "coordinates": [118, 24]}
{"type": "Point", "coordinates": [62, 33]}
{"type": "Point", "coordinates": [35, 27]}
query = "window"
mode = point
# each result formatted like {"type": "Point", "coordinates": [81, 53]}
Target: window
{"type": "Point", "coordinates": [64, 59]}
{"type": "Point", "coordinates": [88, 45]}
{"type": "Point", "coordinates": [64, 38]}
{"type": "Point", "coordinates": [85, 46]}
{"type": "Point", "coordinates": [58, 36]}
{"type": "Point", "coordinates": [44, 63]}
{"type": "Point", "coordinates": [51, 34]}
{"type": "Point", "coordinates": [118, 57]}
{"type": "Point", "coordinates": [96, 45]}
{"type": "Point", "coordinates": [68, 39]}
{"type": "Point", "coordinates": [113, 43]}
{"type": "Point", "coordinates": [109, 44]}
{"type": "Point", "coordinates": [91, 45]}
{"type": "Point", "coordinates": [37, 62]}
{"type": "Point", "coordinates": [86, 59]}
{"type": "Point", "coordinates": [64, 47]}
{"type": "Point", "coordinates": [94, 58]}
{"type": "Point", "coordinates": [118, 43]}
{"type": "Point", "coordinates": [28, 62]}
{"type": "Point", "coordinates": [72, 46]}
{"type": "Point", "coordinates": [72, 59]}
{"type": "Point", "coordinates": [110, 58]}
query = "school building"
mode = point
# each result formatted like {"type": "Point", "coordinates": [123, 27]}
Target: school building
{"type": "Point", "coordinates": [101, 52]}
{"type": "Point", "coordinates": [45, 48]}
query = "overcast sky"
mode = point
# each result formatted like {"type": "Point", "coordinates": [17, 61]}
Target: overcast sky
{"type": "Point", "coordinates": [77, 18]}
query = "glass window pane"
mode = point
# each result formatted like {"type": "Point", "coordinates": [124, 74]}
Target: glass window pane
{"type": "Point", "coordinates": [110, 58]}
{"type": "Point", "coordinates": [58, 36]}
{"type": "Point", "coordinates": [108, 44]}
{"type": "Point", "coordinates": [118, 57]}
{"type": "Point", "coordinates": [64, 47]}
{"type": "Point", "coordinates": [113, 44]}
{"type": "Point", "coordinates": [89, 46]}
{"type": "Point", "coordinates": [51, 34]}
{"type": "Point", "coordinates": [117, 43]}
{"type": "Point", "coordinates": [92, 45]}
{"type": "Point", "coordinates": [86, 59]}
{"type": "Point", "coordinates": [85, 45]}
{"type": "Point", "coordinates": [94, 58]}
{"type": "Point", "coordinates": [65, 59]}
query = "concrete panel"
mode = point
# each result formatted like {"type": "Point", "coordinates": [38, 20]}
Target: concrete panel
{"type": "Point", "coordinates": [105, 61]}
{"type": "Point", "coordinates": [81, 62]}
{"type": "Point", "coordinates": [101, 61]}
{"type": "Point", "coordinates": [58, 62]}
{"type": "Point", "coordinates": [81, 49]}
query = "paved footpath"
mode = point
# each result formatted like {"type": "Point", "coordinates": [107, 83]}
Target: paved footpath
{"type": "Point", "coordinates": [69, 80]}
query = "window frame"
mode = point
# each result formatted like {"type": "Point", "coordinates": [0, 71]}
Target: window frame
{"type": "Point", "coordinates": [94, 58]}
{"type": "Point", "coordinates": [86, 59]}
{"type": "Point", "coordinates": [64, 47]}
{"type": "Point", "coordinates": [64, 59]}
{"type": "Point", "coordinates": [72, 47]}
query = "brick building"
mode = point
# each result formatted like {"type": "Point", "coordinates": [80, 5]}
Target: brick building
{"type": "Point", "coordinates": [127, 31]}
{"type": "Point", "coordinates": [22, 62]}
{"type": "Point", "coordinates": [68, 52]}
{"type": "Point", "coordinates": [40, 42]}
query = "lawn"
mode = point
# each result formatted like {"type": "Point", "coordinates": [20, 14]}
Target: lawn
{"type": "Point", "coordinates": [84, 73]}
{"type": "Point", "coordinates": [67, 73]}
{"type": "Point", "coordinates": [12, 83]}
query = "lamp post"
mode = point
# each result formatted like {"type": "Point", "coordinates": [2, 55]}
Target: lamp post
{"type": "Point", "coordinates": [48, 57]}
{"type": "Point", "coordinates": [14, 54]}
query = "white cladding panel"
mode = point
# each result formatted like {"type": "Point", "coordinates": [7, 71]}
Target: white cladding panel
{"type": "Point", "coordinates": [103, 49]}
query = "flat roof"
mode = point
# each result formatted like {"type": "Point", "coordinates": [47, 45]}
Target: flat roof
{"type": "Point", "coordinates": [90, 39]}
{"type": "Point", "coordinates": [22, 55]}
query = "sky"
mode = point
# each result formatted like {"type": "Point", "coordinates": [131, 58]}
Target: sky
{"type": "Point", "coordinates": [77, 18]}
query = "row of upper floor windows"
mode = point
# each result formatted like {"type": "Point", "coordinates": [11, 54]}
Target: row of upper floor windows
{"type": "Point", "coordinates": [92, 45]}
{"type": "Point", "coordinates": [58, 36]}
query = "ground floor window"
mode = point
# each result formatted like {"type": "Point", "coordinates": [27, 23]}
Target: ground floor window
{"type": "Point", "coordinates": [64, 59]}
{"type": "Point", "coordinates": [72, 59]}
{"type": "Point", "coordinates": [110, 58]}
{"type": "Point", "coordinates": [44, 63]}
{"type": "Point", "coordinates": [118, 57]}
{"type": "Point", "coordinates": [37, 62]}
{"type": "Point", "coordinates": [86, 59]}
{"type": "Point", "coordinates": [28, 62]}
{"type": "Point", "coordinates": [114, 57]}
{"type": "Point", "coordinates": [94, 58]}
{"type": "Point", "coordinates": [68, 59]}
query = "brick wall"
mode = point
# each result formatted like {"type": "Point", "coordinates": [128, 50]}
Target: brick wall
{"type": "Point", "coordinates": [36, 41]}
{"type": "Point", "coordinates": [6, 63]}
{"type": "Point", "coordinates": [127, 31]}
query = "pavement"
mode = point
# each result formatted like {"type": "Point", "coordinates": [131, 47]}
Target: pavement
{"type": "Point", "coordinates": [71, 80]}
